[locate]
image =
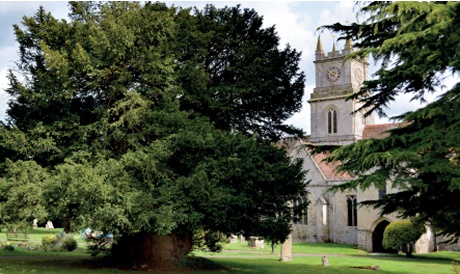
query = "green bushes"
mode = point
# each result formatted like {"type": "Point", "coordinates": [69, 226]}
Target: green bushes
{"type": "Point", "coordinates": [207, 240]}
{"type": "Point", "coordinates": [48, 242]}
{"type": "Point", "coordinates": [69, 244]}
{"type": "Point", "coordinates": [59, 242]}
{"type": "Point", "coordinates": [9, 247]}
{"type": "Point", "coordinates": [402, 236]}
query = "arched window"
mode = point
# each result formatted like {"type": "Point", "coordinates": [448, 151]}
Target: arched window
{"type": "Point", "coordinates": [352, 210]}
{"type": "Point", "coordinates": [300, 211]}
{"type": "Point", "coordinates": [332, 121]}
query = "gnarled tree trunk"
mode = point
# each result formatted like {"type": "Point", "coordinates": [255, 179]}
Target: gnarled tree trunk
{"type": "Point", "coordinates": [153, 249]}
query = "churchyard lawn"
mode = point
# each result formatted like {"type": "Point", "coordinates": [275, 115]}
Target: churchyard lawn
{"type": "Point", "coordinates": [235, 258]}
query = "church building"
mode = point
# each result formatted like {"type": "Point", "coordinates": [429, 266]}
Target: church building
{"type": "Point", "coordinates": [336, 217]}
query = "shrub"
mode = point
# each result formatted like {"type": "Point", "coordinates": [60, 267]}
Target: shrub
{"type": "Point", "coordinates": [59, 242]}
{"type": "Point", "coordinates": [69, 243]}
{"type": "Point", "coordinates": [402, 236]}
{"type": "Point", "coordinates": [9, 247]}
{"type": "Point", "coordinates": [48, 242]}
{"type": "Point", "coordinates": [209, 240]}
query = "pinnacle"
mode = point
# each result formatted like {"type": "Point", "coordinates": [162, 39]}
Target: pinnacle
{"type": "Point", "coordinates": [319, 45]}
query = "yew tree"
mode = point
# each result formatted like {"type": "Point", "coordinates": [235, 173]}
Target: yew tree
{"type": "Point", "coordinates": [145, 130]}
{"type": "Point", "coordinates": [417, 46]}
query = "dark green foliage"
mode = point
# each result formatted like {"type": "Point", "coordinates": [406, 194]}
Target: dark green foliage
{"type": "Point", "coordinates": [240, 79]}
{"type": "Point", "coordinates": [410, 39]}
{"type": "Point", "coordinates": [69, 243]}
{"type": "Point", "coordinates": [402, 235]}
{"type": "Point", "coordinates": [59, 242]}
{"type": "Point", "coordinates": [9, 247]}
{"type": "Point", "coordinates": [418, 45]}
{"type": "Point", "coordinates": [139, 119]}
{"type": "Point", "coordinates": [209, 240]}
{"type": "Point", "coordinates": [65, 241]}
{"type": "Point", "coordinates": [22, 194]}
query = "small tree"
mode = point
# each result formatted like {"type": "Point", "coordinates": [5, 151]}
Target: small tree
{"type": "Point", "coordinates": [402, 236]}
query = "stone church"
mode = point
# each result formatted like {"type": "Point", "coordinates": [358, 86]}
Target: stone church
{"type": "Point", "coordinates": [336, 217]}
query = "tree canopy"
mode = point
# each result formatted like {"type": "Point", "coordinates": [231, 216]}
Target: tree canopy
{"type": "Point", "coordinates": [152, 123]}
{"type": "Point", "coordinates": [249, 84]}
{"type": "Point", "coordinates": [417, 44]}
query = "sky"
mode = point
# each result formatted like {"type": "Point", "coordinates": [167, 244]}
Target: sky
{"type": "Point", "coordinates": [296, 24]}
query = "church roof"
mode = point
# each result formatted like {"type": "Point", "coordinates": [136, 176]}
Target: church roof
{"type": "Point", "coordinates": [329, 170]}
{"type": "Point", "coordinates": [380, 131]}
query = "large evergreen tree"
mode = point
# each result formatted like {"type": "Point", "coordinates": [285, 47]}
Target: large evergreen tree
{"type": "Point", "coordinates": [112, 107]}
{"type": "Point", "coordinates": [418, 45]}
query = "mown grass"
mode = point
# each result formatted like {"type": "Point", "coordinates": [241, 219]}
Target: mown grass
{"type": "Point", "coordinates": [235, 258]}
{"type": "Point", "coordinates": [242, 249]}
{"type": "Point", "coordinates": [342, 259]}
{"type": "Point", "coordinates": [337, 264]}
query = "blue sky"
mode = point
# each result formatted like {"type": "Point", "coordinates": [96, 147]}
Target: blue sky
{"type": "Point", "coordinates": [295, 22]}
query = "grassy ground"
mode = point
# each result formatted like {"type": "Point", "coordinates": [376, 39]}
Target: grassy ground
{"type": "Point", "coordinates": [35, 239]}
{"type": "Point", "coordinates": [235, 258]}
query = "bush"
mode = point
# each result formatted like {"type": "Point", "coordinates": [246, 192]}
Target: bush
{"type": "Point", "coordinates": [9, 247]}
{"type": "Point", "coordinates": [69, 243]}
{"type": "Point", "coordinates": [49, 242]}
{"type": "Point", "coordinates": [402, 236]}
{"type": "Point", "coordinates": [59, 242]}
{"type": "Point", "coordinates": [209, 240]}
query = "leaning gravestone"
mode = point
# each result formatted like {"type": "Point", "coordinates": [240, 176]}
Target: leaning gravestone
{"type": "Point", "coordinates": [49, 225]}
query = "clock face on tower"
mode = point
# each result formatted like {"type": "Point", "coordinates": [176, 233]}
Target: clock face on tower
{"type": "Point", "coordinates": [333, 74]}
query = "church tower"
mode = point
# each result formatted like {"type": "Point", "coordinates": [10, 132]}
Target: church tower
{"type": "Point", "coordinates": [332, 121]}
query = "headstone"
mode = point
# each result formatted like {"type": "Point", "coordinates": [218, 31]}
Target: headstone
{"type": "Point", "coordinates": [286, 250]}
{"type": "Point", "coordinates": [242, 239]}
{"type": "Point", "coordinates": [325, 261]}
{"type": "Point", "coordinates": [34, 225]}
{"type": "Point", "coordinates": [49, 225]}
{"type": "Point", "coordinates": [233, 239]}
{"type": "Point", "coordinates": [255, 242]}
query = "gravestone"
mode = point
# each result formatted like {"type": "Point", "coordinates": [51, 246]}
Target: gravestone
{"type": "Point", "coordinates": [286, 250]}
{"type": "Point", "coordinates": [34, 225]}
{"type": "Point", "coordinates": [233, 239]}
{"type": "Point", "coordinates": [325, 261]}
{"type": "Point", "coordinates": [255, 242]}
{"type": "Point", "coordinates": [49, 225]}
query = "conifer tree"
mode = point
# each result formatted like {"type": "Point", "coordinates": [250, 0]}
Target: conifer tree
{"type": "Point", "coordinates": [417, 45]}
{"type": "Point", "coordinates": [110, 106]}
